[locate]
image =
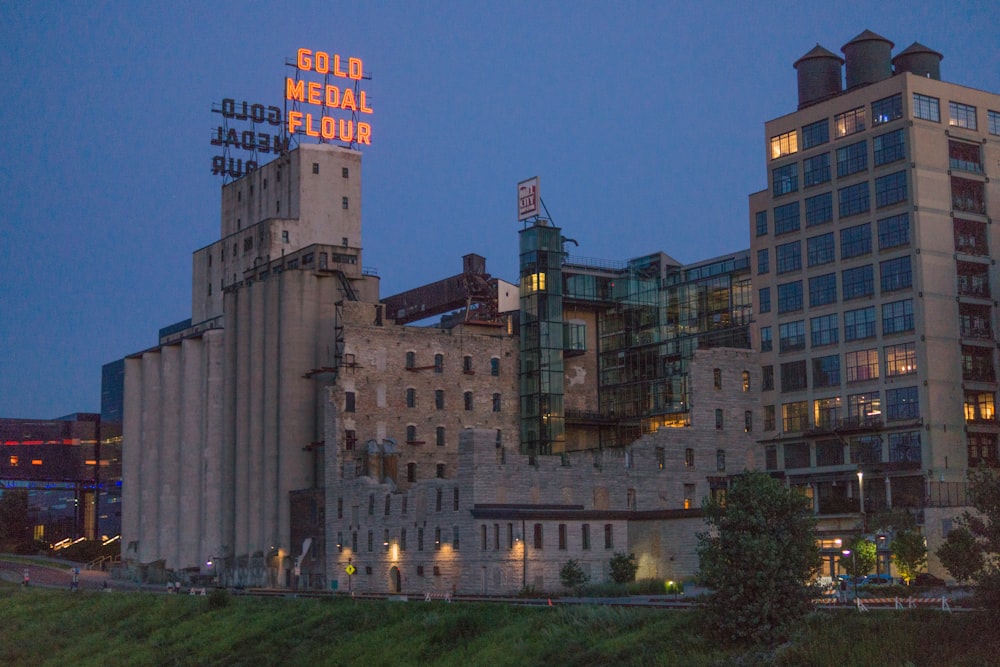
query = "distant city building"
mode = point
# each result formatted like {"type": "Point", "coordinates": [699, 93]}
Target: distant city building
{"type": "Point", "coordinates": [874, 289]}
{"type": "Point", "coordinates": [71, 469]}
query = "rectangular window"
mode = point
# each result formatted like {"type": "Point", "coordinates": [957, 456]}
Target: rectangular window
{"type": "Point", "coordinates": [852, 159]}
{"type": "Point", "coordinates": [890, 189]}
{"type": "Point", "coordinates": [859, 324]}
{"type": "Point", "coordinates": [857, 282]}
{"type": "Point", "coordinates": [861, 365]}
{"type": "Point", "coordinates": [720, 459]}
{"type": "Point", "coordinates": [896, 274]}
{"type": "Point", "coordinates": [902, 403]}
{"type": "Point", "coordinates": [562, 537]}
{"type": "Point", "coordinates": [816, 170]}
{"type": "Point", "coordinates": [763, 262]}
{"type": "Point", "coordinates": [770, 421]}
{"type": "Point", "coordinates": [897, 317]}
{"type": "Point", "coordinates": [816, 134]}
{"type": "Point", "coordinates": [411, 397]}
{"type": "Point", "coordinates": [927, 108]}
{"type": "Point", "coordinates": [788, 257]}
{"type": "Point", "coordinates": [497, 402]}
{"type": "Point", "coordinates": [962, 115]}
{"type": "Point", "coordinates": [980, 407]}
{"type": "Point", "coordinates": [796, 455]}
{"type": "Point", "coordinates": [894, 231]}
{"type": "Point", "coordinates": [765, 299]}
{"type": "Point", "coordinates": [856, 241]}
{"type": "Point", "coordinates": [315, 167]}
{"type": "Point", "coordinates": [348, 401]}
{"type": "Point", "coordinates": [975, 321]}
{"type": "Point", "coordinates": [439, 363]}
{"type": "Point", "coordinates": [786, 218]}
{"type": "Point", "coordinates": [904, 447]}
{"type": "Point", "coordinates": [718, 418]}
{"type": "Point", "coordinates": [785, 179]}
{"type": "Point", "coordinates": [747, 421]}
{"type": "Point", "coordinates": [411, 434]}
{"type": "Point", "coordinates": [819, 209]}
{"type": "Point", "coordinates": [494, 367]}
{"type": "Point", "coordinates": [585, 535]}
{"type": "Point", "coordinates": [900, 359]}
{"type": "Point", "coordinates": [467, 399]}
{"type": "Point", "coordinates": [784, 144]}
{"type": "Point", "coordinates": [823, 330]}
{"type": "Point", "coordinates": [865, 408]}
{"type": "Point", "coordinates": [887, 109]}
{"type": "Point", "coordinates": [977, 364]}
{"type": "Point", "coordinates": [854, 199]}
{"type": "Point", "coordinates": [344, 203]}
{"type": "Point", "coordinates": [822, 290]}
{"type": "Point", "coordinates": [609, 536]}
{"type": "Point", "coordinates": [761, 223]}
{"type": "Point", "coordinates": [795, 416]}
{"type": "Point", "coordinates": [819, 249]}
{"type": "Point", "coordinates": [538, 541]}
{"type": "Point", "coordinates": [889, 147]}
{"type": "Point", "coordinates": [766, 342]}
{"type": "Point", "coordinates": [829, 452]}
{"type": "Point", "coordinates": [994, 122]}
{"type": "Point", "coordinates": [792, 336]}
{"type": "Point", "coordinates": [439, 436]}
{"type": "Point", "coordinates": [849, 122]}
{"type": "Point", "coordinates": [968, 195]}
{"type": "Point", "coordinates": [661, 458]}
{"type": "Point", "coordinates": [439, 399]}
{"type": "Point", "coordinates": [767, 378]}
{"type": "Point", "coordinates": [688, 458]}
{"type": "Point", "coordinates": [793, 376]}
{"type": "Point", "coordinates": [826, 371]}
{"type": "Point", "coordinates": [790, 297]}
{"type": "Point", "coordinates": [964, 156]}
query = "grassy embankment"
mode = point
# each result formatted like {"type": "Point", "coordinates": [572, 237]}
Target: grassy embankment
{"type": "Point", "coordinates": [55, 627]}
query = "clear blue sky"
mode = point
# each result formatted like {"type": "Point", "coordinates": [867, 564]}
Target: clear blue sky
{"type": "Point", "coordinates": [644, 121]}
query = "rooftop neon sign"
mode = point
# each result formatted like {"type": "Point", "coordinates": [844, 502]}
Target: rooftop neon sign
{"type": "Point", "coordinates": [347, 99]}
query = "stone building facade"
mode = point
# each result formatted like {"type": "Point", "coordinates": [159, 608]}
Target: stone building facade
{"type": "Point", "coordinates": [504, 520]}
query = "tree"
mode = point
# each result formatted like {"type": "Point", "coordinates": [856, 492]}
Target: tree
{"type": "Point", "coordinates": [623, 567]}
{"type": "Point", "coordinates": [572, 576]}
{"type": "Point", "coordinates": [758, 556]}
{"type": "Point", "coordinates": [909, 553]}
{"type": "Point", "coordinates": [961, 554]}
{"type": "Point", "coordinates": [864, 553]}
{"type": "Point", "coordinates": [983, 527]}
{"type": "Point", "coordinates": [15, 518]}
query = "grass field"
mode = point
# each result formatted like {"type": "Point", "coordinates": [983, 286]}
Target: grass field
{"type": "Point", "coordinates": [56, 627]}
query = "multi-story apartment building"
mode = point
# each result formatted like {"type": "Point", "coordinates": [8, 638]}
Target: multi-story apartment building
{"type": "Point", "coordinates": [875, 289]}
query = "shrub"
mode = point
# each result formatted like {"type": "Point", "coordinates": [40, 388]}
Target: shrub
{"type": "Point", "coordinates": [572, 576]}
{"type": "Point", "coordinates": [623, 567]}
{"type": "Point", "coordinates": [218, 598]}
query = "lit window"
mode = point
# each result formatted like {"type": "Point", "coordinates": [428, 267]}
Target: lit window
{"type": "Point", "coordinates": [784, 144]}
{"type": "Point", "coordinates": [861, 365]}
{"type": "Point", "coordinates": [849, 122]}
{"type": "Point", "coordinates": [962, 115]}
{"type": "Point", "coordinates": [887, 109]}
{"type": "Point", "coordinates": [13, 461]}
{"type": "Point", "coordinates": [900, 359]}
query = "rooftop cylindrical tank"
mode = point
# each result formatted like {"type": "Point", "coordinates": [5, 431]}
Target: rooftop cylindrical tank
{"type": "Point", "coordinates": [819, 76]}
{"type": "Point", "coordinates": [869, 59]}
{"type": "Point", "coordinates": [920, 60]}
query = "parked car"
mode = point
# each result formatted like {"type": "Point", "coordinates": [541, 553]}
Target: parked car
{"type": "Point", "coordinates": [875, 580]}
{"type": "Point", "coordinates": [927, 579]}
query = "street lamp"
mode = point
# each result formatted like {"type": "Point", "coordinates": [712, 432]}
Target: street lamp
{"type": "Point", "coordinates": [861, 497]}
{"type": "Point", "coordinates": [854, 566]}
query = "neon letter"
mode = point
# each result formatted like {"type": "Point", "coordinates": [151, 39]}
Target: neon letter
{"type": "Point", "coordinates": [364, 104]}
{"type": "Point", "coordinates": [303, 61]}
{"type": "Point", "coordinates": [354, 68]}
{"type": "Point", "coordinates": [322, 62]}
{"type": "Point", "coordinates": [294, 120]}
{"type": "Point", "coordinates": [228, 106]}
{"type": "Point", "coordinates": [336, 67]}
{"type": "Point", "coordinates": [314, 93]}
{"type": "Point", "coordinates": [274, 115]}
{"type": "Point", "coordinates": [310, 132]}
{"type": "Point", "coordinates": [328, 128]}
{"type": "Point", "coordinates": [294, 90]}
{"type": "Point", "coordinates": [347, 136]}
{"type": "Point", "coordinates": [364, 133]}
{"type": "Point", "coordinates": [257, 113]}
{"type": "Point", "coordinates": [347, 100]}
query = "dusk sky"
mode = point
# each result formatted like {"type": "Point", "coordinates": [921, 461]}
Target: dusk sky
{"type": "Point", "coordinates": [643, 120]}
